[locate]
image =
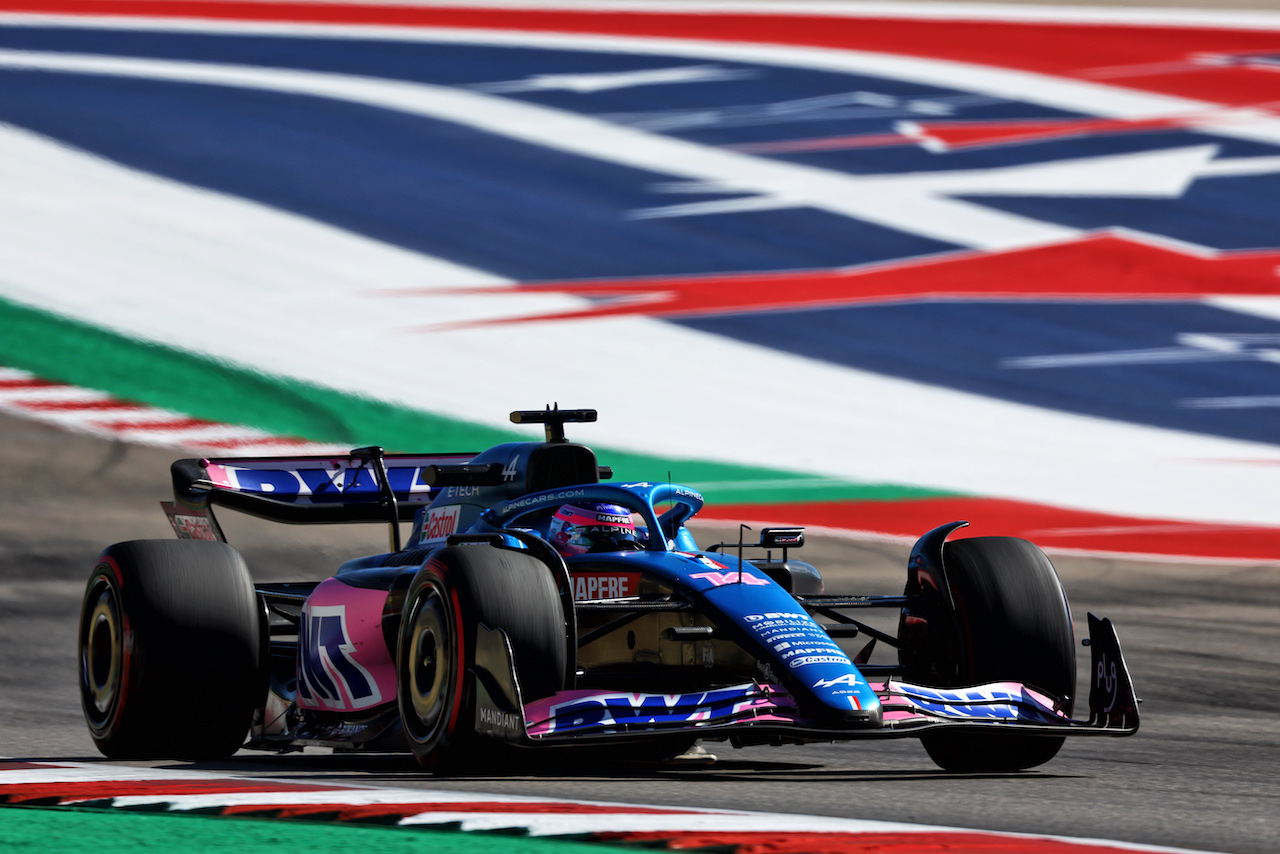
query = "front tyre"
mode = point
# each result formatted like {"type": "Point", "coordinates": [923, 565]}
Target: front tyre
{"type": "Point", "coordinates": [1013, 624]}
{"type": "Point", "coordinates": [431, 666]}
{"type": "Point", "coordinates": [459, 589]}
{"type": "Point", "coordinates": [171, 650]}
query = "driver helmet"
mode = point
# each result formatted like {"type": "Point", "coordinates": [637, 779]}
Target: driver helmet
{"type": "Point", "coordinates": [593, 527]}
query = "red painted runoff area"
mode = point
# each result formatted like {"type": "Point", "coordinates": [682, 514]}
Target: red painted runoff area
{"type": "Point", "coordinates": [1049, 527]}
{"type": "Point", "coordinates": [1131, 55]}
{"type": "Point", "coordinates": [1097, 267]}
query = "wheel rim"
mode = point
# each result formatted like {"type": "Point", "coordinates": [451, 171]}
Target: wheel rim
{"type": "Point", "coordinates": [102, 652]}
{"type": "Point", "coordinates": [430, 666]}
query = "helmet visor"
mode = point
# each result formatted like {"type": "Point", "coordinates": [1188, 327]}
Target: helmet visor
{"type": "Point", "coordinates": [597, 538]}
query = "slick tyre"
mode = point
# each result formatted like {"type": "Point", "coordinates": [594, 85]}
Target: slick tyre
{"type": "Point", "coordinates": [457, 590]}
{"type": "Point", "coordinates": [172, 650]}
{"type": "Point", "coordinates": [1013, 624]}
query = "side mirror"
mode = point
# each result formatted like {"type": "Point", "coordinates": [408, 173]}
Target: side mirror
{"type": "Point", "coordinates": [782, 538]}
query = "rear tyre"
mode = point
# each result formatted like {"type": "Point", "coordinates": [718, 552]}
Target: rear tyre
{"type": "Point", "coordinates": [458, 589]}
{"type": "Point", "coordinates": [171, 650]}
{"type": "Point", "coordinates": [1013, 624]}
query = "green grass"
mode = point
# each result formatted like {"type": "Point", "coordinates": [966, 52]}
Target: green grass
{"type": "Point", "coordinates": [69, 351]}
{"type": "Point", "coordinates": [70, 830]}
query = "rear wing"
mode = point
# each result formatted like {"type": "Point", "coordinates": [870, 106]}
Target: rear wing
{"type": "Point", "coordinates": [363, 486]}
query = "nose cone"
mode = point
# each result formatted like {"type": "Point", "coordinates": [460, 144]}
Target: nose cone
{"type": "Point", "coordinates": [847, 693]}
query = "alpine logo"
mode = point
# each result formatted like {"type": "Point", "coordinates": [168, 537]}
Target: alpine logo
{"type": "Point", "coordinates": [850, 679]}
{"type": "Point", "coordinates": [328, 674]}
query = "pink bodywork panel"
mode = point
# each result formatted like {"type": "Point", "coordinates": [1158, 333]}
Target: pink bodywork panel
{"type": "Point", "coordinates": [343, 660]}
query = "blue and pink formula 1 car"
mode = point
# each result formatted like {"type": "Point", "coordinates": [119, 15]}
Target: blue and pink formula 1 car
{"type": "Point", "coordinates": [477, 636]}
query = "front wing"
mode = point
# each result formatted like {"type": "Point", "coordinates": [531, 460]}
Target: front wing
{"type": "Point", "coordinates": [769, 710]}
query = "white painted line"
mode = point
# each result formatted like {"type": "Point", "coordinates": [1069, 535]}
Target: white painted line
{"type": "Point", "coordinates": [98, 413]}
{"type": "Point", "coordinates": [918, 204]}
{"type": "Point", "coordinates": [40, 397]}
{"type": "Point", "coordinates": [945, 11]}
{"type": "Point", "coordinates": [1257, 401]}
{"type": "Point", "coordinates": [570, 824]}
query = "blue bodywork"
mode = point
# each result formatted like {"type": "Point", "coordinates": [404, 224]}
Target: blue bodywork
{"type": "Point", "coordinates": [737, 596]}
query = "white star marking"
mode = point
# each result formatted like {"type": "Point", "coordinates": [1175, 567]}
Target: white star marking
{"type": "Point", "coordinates": [586, 84]}
{"type": "Point", "coordinates": [918, 203]}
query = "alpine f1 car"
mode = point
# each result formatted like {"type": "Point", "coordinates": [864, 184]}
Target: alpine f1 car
{"type": "Point", "coordinates": [478, 635]}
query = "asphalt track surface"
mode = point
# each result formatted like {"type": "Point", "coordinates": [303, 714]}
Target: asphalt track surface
{"type": "Point", "coordinates": [1203, 644]}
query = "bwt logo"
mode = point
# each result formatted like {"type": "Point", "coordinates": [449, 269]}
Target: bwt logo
{"type": "Point", "coordinates": [327, 671]}
{"type": "Point", "coordinates": [319, 484]}
{"type": "Point", "coordinates": [965, 696]}
{"type": "Point", "coordinates": [997, 711]}
{"type": "Point", "coordinates": [610, 710]}
{"type": "Point", "coordinates": [772, 615]}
